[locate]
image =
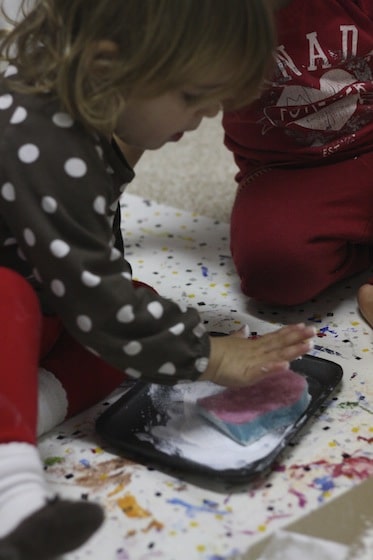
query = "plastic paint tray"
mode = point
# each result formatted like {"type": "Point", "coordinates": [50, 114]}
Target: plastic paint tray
{"type": "Point", "coordinates": [128, 423]}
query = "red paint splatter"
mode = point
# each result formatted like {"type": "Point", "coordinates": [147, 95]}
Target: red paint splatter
{"type": "Point", "coordinates": [301, 497]}
{"type": "Point", "coordinates": [351, 467]}
{"type": "Point", "coordinates": [354, 467]}
{"type": "Point", "coordinates": [368, 440]}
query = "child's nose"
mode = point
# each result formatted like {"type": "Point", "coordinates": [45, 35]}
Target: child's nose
{"type": "Point", "coordinates": [212, 109]}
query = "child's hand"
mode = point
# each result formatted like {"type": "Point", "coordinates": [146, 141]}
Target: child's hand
{"type": "Point", "coordinates": [236, 361]}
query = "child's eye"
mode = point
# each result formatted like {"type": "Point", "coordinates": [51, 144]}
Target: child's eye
{"type": "Point", "coordinates": [191, 98]}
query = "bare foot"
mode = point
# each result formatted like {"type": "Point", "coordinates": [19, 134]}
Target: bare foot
{"type": "Point", "coordinates": [365, 301]}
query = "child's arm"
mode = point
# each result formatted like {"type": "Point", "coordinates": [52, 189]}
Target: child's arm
{"type": "Point", "coordinates": [236, 361]}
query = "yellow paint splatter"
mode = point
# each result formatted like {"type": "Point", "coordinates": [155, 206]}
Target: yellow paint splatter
{"type": "Point", "coordinates": [355, 429]}
{"type": "Point", "coordinates": [129, 505]}
{"type": "Point", "coordinates": [355, 323]}
{"type": "Point", "coordinates": [201, 548]}
{"type": "Point", "coordinates": [191, 296]}
{"type": "Point", "coordinates": [262, 528]}
{"type": "Point", "coordinates": [212, 285]}
{"type": "Point", "coordinates": [116, 490]}
{"type": "Point", "coordinates": [332, 443]}
{"type": "Point", "coordinates": [154, 524]}
{"type": "Point", "coordinates": [194, 524]}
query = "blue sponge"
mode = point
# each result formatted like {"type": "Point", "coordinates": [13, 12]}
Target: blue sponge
{"type": "Point", "coordinates": [247, 414]}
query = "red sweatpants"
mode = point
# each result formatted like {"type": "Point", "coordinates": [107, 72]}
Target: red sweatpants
{"type": "Point", "coordinates": [295, 232]}
{"type": "Point", "coordinates": [27, 340]}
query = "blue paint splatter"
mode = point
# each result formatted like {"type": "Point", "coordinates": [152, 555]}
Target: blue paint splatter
{"type": "Point", "coordinates": [85, 463]}
{"type": "Point", "coordinates": [325, 483]}
{"type": "Point", "coordinates": [328, 330]}
{"type": "Point", "coordinates": [205, 271]}
{"type": "Point", "coordinates": [122, 554]}
{"type": "Point", "coordinates": [192, 510]}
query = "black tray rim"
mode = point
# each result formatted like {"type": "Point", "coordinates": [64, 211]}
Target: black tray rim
{"type": "Point", "coordinates": [145, 453]}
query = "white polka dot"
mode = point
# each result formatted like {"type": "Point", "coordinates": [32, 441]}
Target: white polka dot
{"type": "Point", "coordinates": [115, 254]}
{"type": "Point", "coordinates": [110, 170]}
{"type": "Point", "coordinates": [177, 329]}
{"type": "Point", "coordinates": [92, 351]}
{"type": "Point", "coordinates": [36, 274]}
{"type": "Point", "coordinates": [126, 314]}
{"type": "Point", "coordinates": [182, 306]}
{"type": "Point", "coordinates": [99, 205]}
{"type": "Point", "coordinates": [6, 101]}
{"type": "Point", "coordinates": [28, 153]}
{"type": "Point", "coordinates": [99, 151]}
{"type": "Point", "coordinates": [167, 369]}
{"type": "Point", "coordinates": [10, 71]}
{"type": "Point", "coordinates": [132, 348]}
{"type": "Point", "coordinates": [29, 237]}
{"type": "Point", "coordinates": [122, 188]}
{"type": "Point", "coordinates": [58, 288]}
{"type": "Point", "coordinates": [75, 167]}
{"type": "Point", "coordinates": [49, 204]}
{"type": "Point", "coordinates": [114, 206]}
{"type": "Point", "coordinates": [59, 248]}
{"type": "Point", "coordinates": [8, 192]}
{"type": "Point", "coordinates": [201, 364]}
{"type": "Point", "coordinates": [133, 373]}
{"type": "Point", "coordinates": [127, 275]}
{"type": "Point", "coordinates": [155, 308]}
{"type": "Point", "coordinates": [199, 330]}
{"type": "Point", "coordinates": [10, 241]}
{"type": "Point", "coordinates": [21, 254]}
{"type": "Point", "coordinates": [90, 280]}
{"type": "Point", "coordinates": [19, 115]}
{"type": "Point", "coordinates": [84, 323]}
{"type": "Point", "coordinates": [63, 120]}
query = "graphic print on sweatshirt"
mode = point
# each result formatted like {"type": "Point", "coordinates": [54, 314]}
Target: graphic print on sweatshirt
{"type": "Point", "coordinates": [332, 97]}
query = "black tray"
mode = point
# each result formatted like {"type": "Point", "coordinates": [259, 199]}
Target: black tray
{"type": "Point", "coordinates": [127, 423]}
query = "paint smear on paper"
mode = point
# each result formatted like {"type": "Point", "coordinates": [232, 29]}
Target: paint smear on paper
{"type": "Point", "coordinates": [186, 434]}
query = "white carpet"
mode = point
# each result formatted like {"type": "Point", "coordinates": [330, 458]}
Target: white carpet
{"type": "Point", "coordinates": [194, 174]}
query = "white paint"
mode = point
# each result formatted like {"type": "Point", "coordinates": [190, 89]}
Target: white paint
{"type": "Point", "coordinates": [186, 434]}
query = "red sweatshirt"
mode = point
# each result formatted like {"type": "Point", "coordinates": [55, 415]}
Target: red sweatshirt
{"type": "Point", "coordinates": [319, 104]}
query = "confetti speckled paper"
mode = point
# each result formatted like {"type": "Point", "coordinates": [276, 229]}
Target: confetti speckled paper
{"type": "Point", "coordinates": [155, 515]}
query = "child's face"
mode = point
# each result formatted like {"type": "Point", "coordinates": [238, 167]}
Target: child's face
{"type": "Point", "coordinates": [150, 123]}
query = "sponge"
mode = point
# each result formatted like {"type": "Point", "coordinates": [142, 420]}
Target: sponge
{"type": "Point", "coordinates": [247, 414]}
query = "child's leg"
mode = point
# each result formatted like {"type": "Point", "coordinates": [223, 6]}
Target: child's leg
{"type": "Point", "coordinates": [23, 493]}
{"type": "Point", "coordinates": [73, 379]}
{"type": "Point", "coordinates": [294, 232]}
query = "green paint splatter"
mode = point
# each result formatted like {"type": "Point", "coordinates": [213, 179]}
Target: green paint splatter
{"type": "Point", "coordinates": [51, 461]}
{"type": "Point", "coordinates": [348, 404]}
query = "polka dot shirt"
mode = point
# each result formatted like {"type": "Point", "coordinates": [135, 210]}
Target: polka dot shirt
{"type": "Point", "coordinates": [60, 229]}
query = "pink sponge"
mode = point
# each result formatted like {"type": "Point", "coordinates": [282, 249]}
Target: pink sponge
{"type": "Point", "coordinates": [247, 414]}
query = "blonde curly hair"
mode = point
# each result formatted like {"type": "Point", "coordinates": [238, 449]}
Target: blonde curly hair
{"type": "Point", "coordinates": [160, 45]}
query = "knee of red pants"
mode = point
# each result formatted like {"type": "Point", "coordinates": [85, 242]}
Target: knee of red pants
{"type": "Point", "coordinates": [20, 334]}
{"type": "Point", "coordinates": [85, 377]}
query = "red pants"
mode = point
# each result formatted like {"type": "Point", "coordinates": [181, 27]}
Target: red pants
{"type": "Point", "coordinates": [27, 340]}
{"type": "Point", "coordinates": [295, 232]}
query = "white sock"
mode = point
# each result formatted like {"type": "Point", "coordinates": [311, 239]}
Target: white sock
{"type": "Point", "coordinates": [52, 402]}
{"type": "Point", "coordinates": [22, 486]}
